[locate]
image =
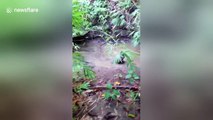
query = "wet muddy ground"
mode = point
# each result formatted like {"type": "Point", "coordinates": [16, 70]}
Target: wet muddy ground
{"type": "Point", "coordinates": [100, 56]}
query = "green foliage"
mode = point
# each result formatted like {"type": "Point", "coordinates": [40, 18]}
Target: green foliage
{"type": "Point", "coordinates": [109, 86]}
{"type": "Point", "coordinates": [125, 4]}
{"type": "Point", "coordinates": [80, 24]}
{"type": "Point", "coordinates": [88, 72]}
{"type": "Point", "coordinates": [118, 58]}
{"type": "Point", "coordinates": [75, 46]}
{"type": "Point", "coordinates": [109, 18]}
{"type": "Point", "coordinates": [136, 33]}
{"type": "Point", "coordinates": [82, 87]}
{"type": "Point", "coordinates": [129, 55]}
{"type": "Point", "coordinates": [111, 93]}
{"type": "Point", "coordinates": [97, 11]}
{"type": "Point", "coordinates": [131, 115]}
{"type": "Point", "coordinates": [133, 95]}
{"type": "Point", "coordinates": [136, 38]}
{"type": "Point", "coordinates": [80, 69]}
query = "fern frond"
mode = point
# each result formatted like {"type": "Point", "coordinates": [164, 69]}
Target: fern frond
{"type": "Point", "coordinates": [130, 53]}
{"type": "Point", "coordinates": [80, 67]}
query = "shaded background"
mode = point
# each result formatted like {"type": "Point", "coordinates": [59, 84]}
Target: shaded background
{"type": "Point", "coordinates": [177, 59]}
{"type": "Point", "coordinates": [35, 61]}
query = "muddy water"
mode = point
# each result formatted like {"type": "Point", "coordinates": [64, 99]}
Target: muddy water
{"type": "Point", "coordinates": [101, 57]}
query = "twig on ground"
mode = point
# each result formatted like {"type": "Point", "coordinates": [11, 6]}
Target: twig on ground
{"type": "Point", "coordinates": [115, 87]}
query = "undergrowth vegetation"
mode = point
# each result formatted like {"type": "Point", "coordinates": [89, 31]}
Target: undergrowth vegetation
{"type": "Point", "coordinates": [129, 55]}
{"type": "Point", "coordinates": [112, 20]}
{"type": "Point", "coordinates": [80, 69]}
{"type": "Point", "coordinates": [110, 92]}
{"type": "Point", "coordinates": [80, 23]}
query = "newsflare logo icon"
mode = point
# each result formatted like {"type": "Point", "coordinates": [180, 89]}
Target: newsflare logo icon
{"type": "Point", "coordinates": [22, 10]}
{"type": "Point", "coordinates": [9, 10]}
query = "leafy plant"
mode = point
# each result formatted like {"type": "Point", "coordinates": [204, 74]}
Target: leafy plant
{"type": "Point", "coordinates": [80, 24]}
{"type": "Point", "coordinates": [80, 69]}
{"type": "Point", "coordinates": [133, 95]}
{"type": "Point", "coordinates": [129, 55]}
{"type": "Point", "coordinates": [109, 86]}
{"type": "Point", "coordinates": [109, 17]}
{"type": "Point", "coordinates": [88, 72]}
{"type": "Point", "coordinates": [111, 93]}
{"type": "Point", "coordinates": [82, 87]}
{"type": "Point", "coordinates": [136, 32]}
{"type": "Point", "coordinates": [75, 46]}
{"type": "Point", "coordinates": [131, 74]}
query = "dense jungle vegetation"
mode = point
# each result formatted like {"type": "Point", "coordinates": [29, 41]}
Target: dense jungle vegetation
{"type": "Point", "coordinates": [108, 21]}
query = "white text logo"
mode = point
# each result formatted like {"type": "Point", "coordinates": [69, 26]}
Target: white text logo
{"type": "Point", "coordinates": [22, 10]}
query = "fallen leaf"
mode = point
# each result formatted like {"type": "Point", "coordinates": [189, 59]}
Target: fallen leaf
{"type": "Point", "coordinates": [131, 115]}
{"type": "Point", "coordinates": [117, 83]}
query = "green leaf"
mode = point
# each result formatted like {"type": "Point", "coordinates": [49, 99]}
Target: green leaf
{"type": "Point", "coordinates": [135, 76]}
{"type": "Point", "coordinates": [128, 76]}
{"type": "Point", "coordinates": [113, 97]}
{"type": "Point", "coordinates": [109, 86]}
{"type": "Point", "coordinates": [117, 58]}
{"type": "Point", "coordinates": [115, 14]}
{"type": "Point", "coordinates": [116, 92]}
{"type": "Point", "coordinates": [107, 95]}
{"type": "Point", "coordinates": [102, 9]}
{"type": "Point", "coordinates": [131, 115]}
{"type": "Point", "coordinates": [123, 22]}
{"type": "Point", "coordinates": [122, 17]}
{"type": "Point", "coordinates": [132, 94]}
{"type": "Point", "coordinates": [131, 80]}
{"type": "Point", "coordinates": [130, 71]}
{"type": "Point", "coordinates": [79, 66]}
{"type": "Point", "coordinates": [115, 21]}
{"type": "Point", "coordinates": [84, 86]}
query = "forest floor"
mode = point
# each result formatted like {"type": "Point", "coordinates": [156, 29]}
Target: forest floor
{"type": "Point", "coordinates": [100, 57]}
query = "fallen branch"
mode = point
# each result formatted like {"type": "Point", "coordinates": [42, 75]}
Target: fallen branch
{"type": "Point", "coordinates": [115, 87]}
